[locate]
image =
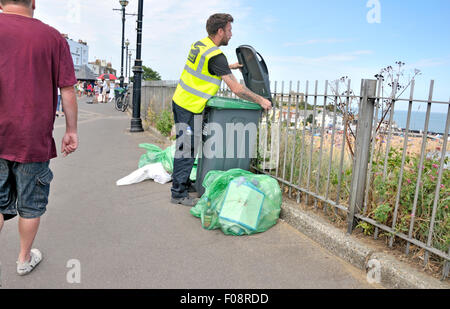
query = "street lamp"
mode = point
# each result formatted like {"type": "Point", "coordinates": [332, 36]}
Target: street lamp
{"type": "Point", "coordinates": [127, 43]}
{"type": "Point", "coordinates": [136, 122]}
{"type": "Point", "coordinates": [123, 3]}
{"type": "Point", "coordinates": [129, 61]}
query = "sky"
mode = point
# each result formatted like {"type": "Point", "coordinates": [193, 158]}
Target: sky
{"type": "Point", "coordinates": [300, 40]}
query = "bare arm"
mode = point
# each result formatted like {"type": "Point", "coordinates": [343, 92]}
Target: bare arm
{"type": "Point", "coordinates": [235, 66]}
{"type": "Point", "coordinates": [70, 107]}
{"type": "Point", "coordinates": [245, 93]}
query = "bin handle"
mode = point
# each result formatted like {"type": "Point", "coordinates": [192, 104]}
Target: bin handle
{"type": "Point", "coordinates": [241, 60]}
{"type": "Point", "coordinates": [263, 63]}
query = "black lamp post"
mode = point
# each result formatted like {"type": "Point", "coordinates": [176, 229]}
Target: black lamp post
{"type": "Point", "coordinates": [127, 43]}
{"type": "Point", "coordinates": [136, 122]}
{"type": "Point", "coordinates": [123, 3]}
{"type": "Point", "coordinates": [129, 61]}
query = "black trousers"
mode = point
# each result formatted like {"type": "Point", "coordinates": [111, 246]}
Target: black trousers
{"type": "Point", "coordinates": [188, 128]}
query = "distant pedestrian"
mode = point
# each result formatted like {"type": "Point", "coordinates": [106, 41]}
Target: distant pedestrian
{"type": "Point", "coordinates": [35, 58]}
{"type": "Point", "coordinates": [101, 84]}
{"type": "Point", "coordinates": [89, 90]}
{"type": "Point", "coordinates": [96, 91]}
{"type": "Point", "coordinates": [80, 89]}
{"type": "Point", "coordinates": [105, 91]}
{"type": "Point", "coordinates": [108, 91]}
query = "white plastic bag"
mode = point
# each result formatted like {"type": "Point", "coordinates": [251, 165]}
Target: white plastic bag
{"type": "Point", "coordinates": [151, 171]}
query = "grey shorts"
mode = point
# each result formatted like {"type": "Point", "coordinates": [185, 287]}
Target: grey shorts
{"type": "Point", "coordinates": [24, 189]}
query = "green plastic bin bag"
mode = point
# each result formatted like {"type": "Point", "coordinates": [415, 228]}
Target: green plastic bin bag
{"type": "Point", "coordinates": [238, 202]}
{"type": "Point", "coordinates": [156, 155]}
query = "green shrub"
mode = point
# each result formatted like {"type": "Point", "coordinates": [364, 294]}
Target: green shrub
{"type": "Point", "coordinates": [384, 195]}
{"type": "Point", "coordinates": [164, 122]}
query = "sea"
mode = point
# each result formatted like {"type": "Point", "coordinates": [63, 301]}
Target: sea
{"type": "Point", "coordinates": [417, 123]}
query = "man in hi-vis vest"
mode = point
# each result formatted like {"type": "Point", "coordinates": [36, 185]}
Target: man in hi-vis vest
{"type": "Point", "coordinates": [203, 73]}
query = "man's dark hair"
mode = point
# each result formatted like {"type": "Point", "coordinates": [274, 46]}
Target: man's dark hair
{"type": "Point", "coordinates": [216, 22]}
{"type": "Point", "coordinates": [21, 2]}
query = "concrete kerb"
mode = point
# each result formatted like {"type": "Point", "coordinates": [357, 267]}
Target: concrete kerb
{"type": "Point", "coordinates": [326, 235]}
{"type": "Point", "coordinates": [394, 274]}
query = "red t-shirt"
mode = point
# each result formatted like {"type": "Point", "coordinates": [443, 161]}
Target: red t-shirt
{"type": "Point", "coordinates": [35, 60]}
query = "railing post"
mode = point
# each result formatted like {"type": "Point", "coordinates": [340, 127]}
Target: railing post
{"type": "Point", "coordinates": [361, 160]}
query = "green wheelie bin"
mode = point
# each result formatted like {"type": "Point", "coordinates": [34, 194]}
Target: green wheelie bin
{"type": "Point", "coordinates": [228, 138]}
{"type": "Point", "coordinates": [230, 126]}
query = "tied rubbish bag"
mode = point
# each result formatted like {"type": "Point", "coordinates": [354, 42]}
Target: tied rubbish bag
{"type": "Point", "coordinates": [156, 155]}
{"type": "Point", "coordinates": [153, 171]}
{"type": "Point", "coordinates": [238, 202]}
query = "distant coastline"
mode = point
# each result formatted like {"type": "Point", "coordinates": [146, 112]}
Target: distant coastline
{"type": "Point", "coordinates": [417, 123]}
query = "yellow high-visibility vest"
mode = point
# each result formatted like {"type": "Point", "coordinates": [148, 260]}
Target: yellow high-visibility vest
{"type": "Point", "coordinates": [196, 84]}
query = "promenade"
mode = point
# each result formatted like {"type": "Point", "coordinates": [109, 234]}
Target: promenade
{"type": "Point", "coordinates": [133, 237]}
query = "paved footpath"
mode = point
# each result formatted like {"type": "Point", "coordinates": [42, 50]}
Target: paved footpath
{"type": "Point", "coordinates": [133, 237]}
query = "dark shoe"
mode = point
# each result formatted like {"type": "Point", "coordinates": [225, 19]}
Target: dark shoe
{"type": "Point", "coordinates": [192, 189]}
{"type": "Point", "coordinates": [186, 201]}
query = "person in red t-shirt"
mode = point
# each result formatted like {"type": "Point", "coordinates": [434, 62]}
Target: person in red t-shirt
{"type": "Point", "coordinates": [89, 89]}
{"type": "Point", "coordinates": [35, 61]}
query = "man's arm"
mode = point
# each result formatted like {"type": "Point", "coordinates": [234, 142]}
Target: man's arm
{"type": "Point", "coordinates": [236, 66]}
{"type": "Point", "coordinates": [70, 107]}
{"type": "Point", "coordinates": [245, 93]}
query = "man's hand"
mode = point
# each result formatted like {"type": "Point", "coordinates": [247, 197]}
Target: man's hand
{"type": "Point", "coordinates": [70, 107]}
{"type": "Point", "coordinates": [245, 93]}
{"type": "Point", "coordinates": [266, 104]}
{"type": "Point", "coordinates": [69, 143]}
{"type": "Point", "coordinates": [236, 66]}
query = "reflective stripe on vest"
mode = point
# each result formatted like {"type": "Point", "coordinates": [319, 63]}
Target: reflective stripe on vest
{"type": "Point", "coordinates": [202, 60]}
{"type": "Point", "coordinates": [196, 84]}
{"type": "Point", "coordinates": [202, 76]}
{"type": "Point", "coordinates": [194, 92]}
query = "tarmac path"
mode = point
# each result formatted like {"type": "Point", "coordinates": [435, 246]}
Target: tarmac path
{"type": "Point", "coordinates": [133, 237]}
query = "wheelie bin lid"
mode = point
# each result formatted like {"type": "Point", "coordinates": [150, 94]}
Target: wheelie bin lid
{"type": "Point", "coordinates": [255, 73]}
{"type": "Point", "coordinates": [231, 103]}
